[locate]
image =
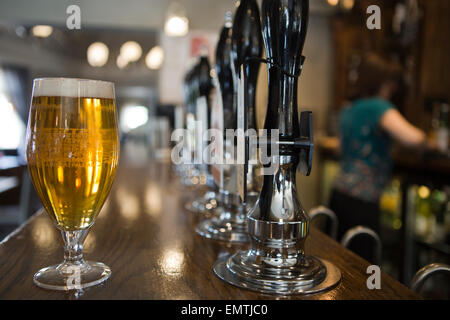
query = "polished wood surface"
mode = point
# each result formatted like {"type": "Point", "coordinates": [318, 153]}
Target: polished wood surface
{"type": "Point", "coordinates": [148, 239]}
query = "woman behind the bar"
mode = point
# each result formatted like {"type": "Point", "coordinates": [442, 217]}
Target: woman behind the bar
{"type": "Point", "coordinates": [367, 129]}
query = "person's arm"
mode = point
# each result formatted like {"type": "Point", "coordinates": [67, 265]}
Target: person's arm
{"type": "Point", "coordinates": [401, 130]}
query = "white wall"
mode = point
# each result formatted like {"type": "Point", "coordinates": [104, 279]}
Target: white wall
{"type": "Point", "coordinates": [124, 14]}
{"type": "Point", "coordinates": [316, 94]}
{"type": "Point", "coordinates": [178, 61]}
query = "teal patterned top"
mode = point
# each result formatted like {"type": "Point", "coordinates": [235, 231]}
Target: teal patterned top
{"type": "Point", "coordinates": [366, 162]}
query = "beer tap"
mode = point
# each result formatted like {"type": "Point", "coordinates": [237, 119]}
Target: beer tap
{"type": "Point", "coordinates": [245, 42]}
{"type": "Point", "coordinates": [221, 114]}
{"type": "Point", "coordinates": [278, 225]}
{"type": "Point", "coordinates": [224, 72]}
{"type": "Point", "coordinates": [192, 93]}
{"type": "Point", "coordinates": [207, 202]}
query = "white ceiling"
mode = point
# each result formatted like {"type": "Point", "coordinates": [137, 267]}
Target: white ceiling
{"type": "Point", "coordinates": [123, 14]}
{"type": "Point", "coordinates": [116, 18]}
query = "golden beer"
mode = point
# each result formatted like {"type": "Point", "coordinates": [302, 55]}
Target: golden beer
{"type": "Point", "coordinates": [73, 153]}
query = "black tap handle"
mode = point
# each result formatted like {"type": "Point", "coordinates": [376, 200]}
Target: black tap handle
{"type": "Point", "coordinates": [247, 42]}
{"type": "Point", "coordinates": [284, 25]}
{"type": "Point", "coordinates": [304, 144]}
{"type": "Point", "coordinates": [224, 73]}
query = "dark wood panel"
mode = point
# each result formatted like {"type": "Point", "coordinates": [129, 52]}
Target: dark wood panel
{"type": "Point", "coordinates": [148, 240]}
{"type": "Point", "coordinates": [425, 59]}
{"type": "Point", "coordinates": [434, 64]}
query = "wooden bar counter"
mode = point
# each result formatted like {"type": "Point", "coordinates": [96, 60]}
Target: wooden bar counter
{"type": "Point", "coordinates": [148, 239]}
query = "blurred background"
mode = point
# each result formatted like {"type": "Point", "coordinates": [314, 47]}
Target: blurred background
{"type": "Point", "coordinates": [146, 47]}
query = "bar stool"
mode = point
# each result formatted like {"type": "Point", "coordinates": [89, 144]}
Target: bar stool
{"type": "Point", "coordinates": [425, 273]}
{"type": "Point", "coordinates": [328, 213]}
{"type": "Point", "coordinates": [361, 230]}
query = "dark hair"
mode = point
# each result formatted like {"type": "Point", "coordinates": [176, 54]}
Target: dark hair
{"type": "Point", "coordinates": [373, 72]}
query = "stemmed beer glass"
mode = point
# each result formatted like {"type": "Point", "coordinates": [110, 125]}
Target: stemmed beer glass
{"type": "Point", "coordinates": [73, 154]}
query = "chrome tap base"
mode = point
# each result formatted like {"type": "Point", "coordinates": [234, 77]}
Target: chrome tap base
{"type": "Point", "coordinates": [192, 177]}
{"type": "Point", "coordinates": [223, 229]}
{"type": "Point", "coordinates": [291, 276]}
{"type": "Point", "coordinates": [231, 224]}
{"type": "Point", "coordinates": [205, 205]}
{"type": "Point", "coordinates": [278, 227]}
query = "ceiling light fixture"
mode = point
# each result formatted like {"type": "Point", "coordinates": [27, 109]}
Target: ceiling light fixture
{"type": "Point", "coordinates": [42, 31]}
{"type": "Point", "coordinates": [155, 58]}
{"type": "Point", "coordinates": [348, 4]}
{"type": "Point", "coordinates": [121, 62]}
{"type": "Point", "coordinates": [333, 2]}
{"type": "Point", "coordinates": [131, 51]}
{"type": "Point", "coordinates": [97, 54]}
{"type": "Point", "coordinates": [177, 24]}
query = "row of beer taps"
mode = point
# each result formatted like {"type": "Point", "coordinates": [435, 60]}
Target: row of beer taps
{"type": "Point", "coordinates": [240, 204]}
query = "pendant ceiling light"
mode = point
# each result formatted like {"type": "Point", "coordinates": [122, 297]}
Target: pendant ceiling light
{"type": "Point", "coordinates": [177, 24]}
{"type": "Point", "coordinates": [333, 2]}
{"type": "Point", "coordinates": [131, 51]}
{"type": "Point", "coordinates": [155, 58]}
{"type": "Point", "coordinates": [348, 4]}
{"type": "Point", "coordinates": [42, 31]}
{"type": "Point", "coordinates": [121, 62]}
{"type": "Point", "coordinates": [97, 54]}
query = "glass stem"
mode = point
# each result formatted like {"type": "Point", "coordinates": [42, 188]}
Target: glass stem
{"type": "Point", "coordinates": [73, 247]}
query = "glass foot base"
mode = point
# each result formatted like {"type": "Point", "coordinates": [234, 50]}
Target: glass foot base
{"type": "Point", "coordinates": [280, 277]}
{"type": "Point", "coordinates": [66, 277]}
{"type": "Point", "coordinates": [223, 230]}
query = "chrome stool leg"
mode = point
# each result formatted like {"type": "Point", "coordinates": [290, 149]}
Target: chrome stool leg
{"type": "Point", "coordinates": [425, 273]}
{"type": "Point", "coordinates": [360, 230]}
{"type": "Point", "coordinates": [324, 211]}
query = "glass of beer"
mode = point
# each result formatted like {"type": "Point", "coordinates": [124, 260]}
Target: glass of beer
{"type": "Point", "coordinates": [73, 153]}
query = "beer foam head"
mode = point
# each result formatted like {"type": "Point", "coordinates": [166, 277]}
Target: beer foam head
{"type": "Point", "coordinates": [68, 87]}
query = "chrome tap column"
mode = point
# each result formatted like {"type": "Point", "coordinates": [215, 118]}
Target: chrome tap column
{"type": "Point", "coordinates": [244, 42]}
{"type": "Point", "coordinates": [278, 224]}
{"type": "Point", "coordinates": [207, 202]}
